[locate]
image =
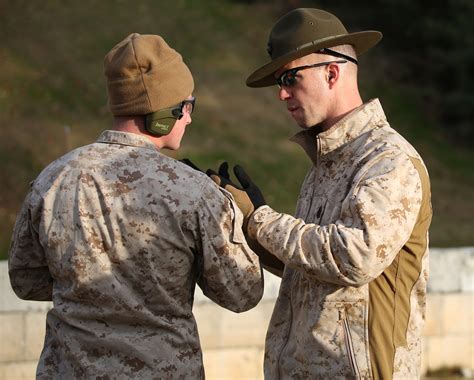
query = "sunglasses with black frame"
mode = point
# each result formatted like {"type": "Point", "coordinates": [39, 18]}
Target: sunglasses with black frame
{"type": "Point", "coordinates": [288, 77]}
{"type": "Point", "coordinates": [162, 121]}
{"type": "Point", "coordinates": [186, 104]}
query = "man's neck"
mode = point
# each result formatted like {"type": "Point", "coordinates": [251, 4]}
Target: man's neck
{"type": "Point", "coordinates": [131, 124]}
{"type": "Point", "coordinates": [135, 124]}
{"type": "Point", "coordinates": [342, 107]}
{"type": "Point", "coordinates": [328, 123]}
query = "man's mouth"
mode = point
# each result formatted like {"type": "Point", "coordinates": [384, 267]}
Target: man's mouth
{"type": "Point", "coordinates": [292, 109]}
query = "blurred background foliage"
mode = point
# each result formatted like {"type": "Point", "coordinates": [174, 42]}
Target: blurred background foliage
{"type": "Point", "coordinates": [52, 91]}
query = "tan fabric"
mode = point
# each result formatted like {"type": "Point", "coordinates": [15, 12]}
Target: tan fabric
{"type": "Point", "coordinates": [145, 75]}
{"type": "Point", "coordinates": [358, 207]}
{"type": "Point", "coordinates": [117, 235]}
{"type": "Point", "coordinates": [392, 303]}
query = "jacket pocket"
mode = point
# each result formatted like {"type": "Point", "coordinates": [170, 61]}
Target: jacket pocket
{"type": "Point", "coordinates": [349, 344]}
{"type": "Point", "coordinates": [350, 336]}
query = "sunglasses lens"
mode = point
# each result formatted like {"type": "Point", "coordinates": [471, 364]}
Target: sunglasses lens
{"type": "Point", "coordinates": [188, 107]}
{"type": "Point", "coordinates": [288, 79]}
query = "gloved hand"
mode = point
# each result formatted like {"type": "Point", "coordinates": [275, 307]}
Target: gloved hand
{"type": "Point", "coordinates": [252, 190]}
{"type": "Point", "coordinates": [248, 198]}
{"type": "Point", "coordinates": [188, 162]}
{"type": "Point", "coordinates": [222, 177]}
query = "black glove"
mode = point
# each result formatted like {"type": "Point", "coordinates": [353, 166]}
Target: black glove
{"type": "Point", "coordinates": [249, 187]}
{"type": "Point", "coordinates": [247, 198]}
{"type": "Point", "coordinates": [222, 177]}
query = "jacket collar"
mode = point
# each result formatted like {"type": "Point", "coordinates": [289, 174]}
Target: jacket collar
{"type": "Point", "coordinates": [368, 116]}
{"type": "Point", "coordinates": [125, 138]}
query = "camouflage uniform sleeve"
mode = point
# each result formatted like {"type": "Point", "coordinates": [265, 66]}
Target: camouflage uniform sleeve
{"type": "Point", "coordinates": [376, 219]}
{"type": "Point", "coordinates": [230, 272]}
{"type": "Point", "coordinates": [28, 270]}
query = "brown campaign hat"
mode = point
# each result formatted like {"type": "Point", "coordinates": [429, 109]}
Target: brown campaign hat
{"type": "Point", "coordinates": [303, 31]}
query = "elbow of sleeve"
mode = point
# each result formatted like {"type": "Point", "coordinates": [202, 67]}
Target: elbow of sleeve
{"type": "Point", "coordinates": [344, 275]}
{"type": "Point", "coordinates": [357, 280]}
{"type": "Point", "coordinates": [19, 290]}
{"type": "Point", "coordinates": [22, 292]}
{"type": "Point", "coordinates": [236, 299]}
{"type": "Point", "coordinates": [256, 297]}
{"type": "Point", "coordinates": [249, 299]}
{"type": "Point", "coordinates": [38, 291]}
{"type": "Point", "coordinates": [247, 305]}
{"type": "Point", "coordinates": [33, 294]}
{"type": "Point", "coordinates": [358, 276]}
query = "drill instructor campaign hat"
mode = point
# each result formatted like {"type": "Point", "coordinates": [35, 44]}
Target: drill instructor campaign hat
{"type": "Point", "coordinates": [303, 31]}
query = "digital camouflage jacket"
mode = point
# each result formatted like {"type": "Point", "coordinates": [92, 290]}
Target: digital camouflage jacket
{"type": "Point", "coordinates": [352, 298]}
{"type": "Point", "coordinates": [117, 234]}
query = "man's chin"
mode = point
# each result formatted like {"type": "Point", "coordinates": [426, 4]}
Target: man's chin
{"type": "Point", "coordinates": [303, 124]}
{"type": "Point", "coordinates": [306, 124]}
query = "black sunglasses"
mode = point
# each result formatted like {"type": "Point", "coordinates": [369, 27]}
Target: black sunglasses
{"type": "Point", "coordinates": [288, 78]}
{"type": "Point", "coordinates": [186, 105]}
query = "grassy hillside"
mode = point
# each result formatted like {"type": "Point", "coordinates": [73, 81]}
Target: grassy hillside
{"type": "Point", "coordinates": [52, 99]}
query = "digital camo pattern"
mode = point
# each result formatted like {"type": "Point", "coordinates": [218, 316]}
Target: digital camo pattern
{"type": "Point", "coordinates": [117, 235]}
{"type": "Point", "coordinates": [357, 207]}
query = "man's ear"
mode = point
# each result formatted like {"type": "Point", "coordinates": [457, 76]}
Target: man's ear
{"type": "Point", "coordinates": [332, 73]}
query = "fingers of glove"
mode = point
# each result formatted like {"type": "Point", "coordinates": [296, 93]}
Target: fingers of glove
{"type": "Point", "coordinates": [253, 191]}
{"type": "Point", "coordinates": [215, 178]}
{"type": "Point", "coordinates": [242, 176]}
{"type": "Point", "coordinates": [211, 172]}
{"type": "Point", "coordinates": [227, 182]}
{"type": "Point", "coordinates": [224, 170]}
{"type": "Point", "coordinates": [224, 179]}
{"type": "Point", "coordinates": [188, 162]}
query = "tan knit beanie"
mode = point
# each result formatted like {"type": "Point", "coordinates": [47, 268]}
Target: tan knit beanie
{"type": "Point", "coordinates": [145, 75]}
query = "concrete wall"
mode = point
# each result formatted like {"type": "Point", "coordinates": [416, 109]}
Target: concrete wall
{"type": "Point", "coordinates": [233, 344]}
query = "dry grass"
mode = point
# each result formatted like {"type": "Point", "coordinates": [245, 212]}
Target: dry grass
{"type": "Point", "coordinates": [51, 81]}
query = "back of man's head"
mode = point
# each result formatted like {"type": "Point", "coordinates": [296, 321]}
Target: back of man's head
{"type": "Point", "coordinates": [144, 74]}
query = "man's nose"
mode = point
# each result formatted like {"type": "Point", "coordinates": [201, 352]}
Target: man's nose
{"type": "Point", "coordinates": [283, 93]}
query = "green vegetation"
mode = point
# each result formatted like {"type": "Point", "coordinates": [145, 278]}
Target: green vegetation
{"type": "Point", "coordinates": [52, 93]}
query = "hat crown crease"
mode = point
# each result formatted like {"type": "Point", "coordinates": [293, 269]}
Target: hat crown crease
{"type": "Point", "coordinates": [299, 29]}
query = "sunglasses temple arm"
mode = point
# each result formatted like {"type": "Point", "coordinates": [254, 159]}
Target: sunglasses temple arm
{"type": "Point", "coordinates": [339, 55]}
